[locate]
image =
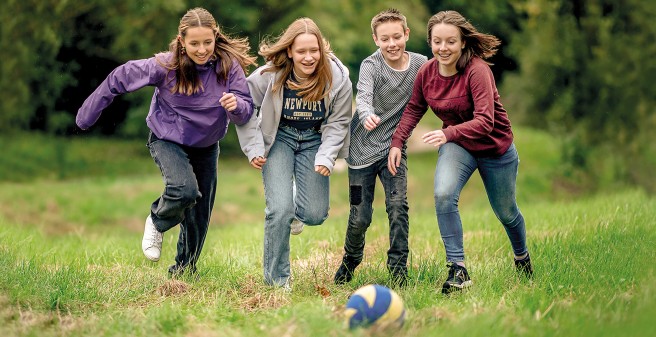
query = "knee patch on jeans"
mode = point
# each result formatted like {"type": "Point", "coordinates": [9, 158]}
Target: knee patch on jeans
{"type": "Point", "coordinates": [355, 194]}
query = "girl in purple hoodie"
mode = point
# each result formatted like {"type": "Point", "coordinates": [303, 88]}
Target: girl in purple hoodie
{"type": "Point", "coordinates": [200, 86]}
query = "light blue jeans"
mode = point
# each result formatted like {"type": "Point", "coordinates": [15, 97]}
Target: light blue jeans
{"type": "Point", "coordinates": [455, 165]}
{"type": "Point", "coordinates": [292, 189]}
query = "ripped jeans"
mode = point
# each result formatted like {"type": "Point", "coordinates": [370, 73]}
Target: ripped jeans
{"type": "Point", "coordinates": [362, 183]}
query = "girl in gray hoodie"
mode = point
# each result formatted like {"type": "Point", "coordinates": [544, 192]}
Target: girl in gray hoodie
{"type": "Point", "coordinates": [303, 97]}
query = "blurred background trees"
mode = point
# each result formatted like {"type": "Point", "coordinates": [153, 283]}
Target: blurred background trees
{"type": "Point", "coordinates": [582, 70]}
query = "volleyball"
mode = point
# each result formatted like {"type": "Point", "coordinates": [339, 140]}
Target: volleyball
{"type": "Point", "coordinates": [374, 305]}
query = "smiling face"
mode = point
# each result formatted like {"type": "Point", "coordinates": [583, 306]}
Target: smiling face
{"type": "Point", "coordinates": [305, 53]}
{"type": "Point", "coordinates": [391, 37]}
{"type": "Point", "coordinates": [446, 45]}
{"type": "Point", "coordinates": [199, 44]}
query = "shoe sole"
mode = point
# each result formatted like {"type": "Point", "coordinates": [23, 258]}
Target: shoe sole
{"type": "Point", "coordinates": [449, 288]}
{"type": "Point", "coordinates": [154, 259]}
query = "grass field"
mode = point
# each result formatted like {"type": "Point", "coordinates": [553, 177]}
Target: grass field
{"type": "Point", "coordinates": [71, 264]}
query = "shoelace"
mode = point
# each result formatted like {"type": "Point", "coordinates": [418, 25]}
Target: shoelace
{"type": "Point", "coordinates": [155, 238]}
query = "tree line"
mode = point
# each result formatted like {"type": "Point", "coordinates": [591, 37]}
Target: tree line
{"type": "Point", "coordinates": [579, 69]}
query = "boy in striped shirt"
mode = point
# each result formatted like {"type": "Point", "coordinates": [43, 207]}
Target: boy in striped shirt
{"type": "Point", "coordinates": [383, 90]}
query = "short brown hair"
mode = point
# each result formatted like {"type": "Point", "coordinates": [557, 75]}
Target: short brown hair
{"type": "Point", "coordinates": [388, 15]}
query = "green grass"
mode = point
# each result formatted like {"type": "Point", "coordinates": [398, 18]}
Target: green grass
{"type": "Point", "coordinates": [71, 264]}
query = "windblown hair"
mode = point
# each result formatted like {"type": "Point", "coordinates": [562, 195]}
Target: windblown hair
{"type": "Point", "coordinates": [477, 44]}
{"type": "Point", "coordinates": [318, 84]}
{"type": "Point", "coordinates": [388, 15]}
{"type": "Point", "coordinates": [226, 49]}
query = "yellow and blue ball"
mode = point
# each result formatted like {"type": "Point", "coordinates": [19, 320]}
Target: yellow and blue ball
{"type": "Point", "coordinates": [374, 305]}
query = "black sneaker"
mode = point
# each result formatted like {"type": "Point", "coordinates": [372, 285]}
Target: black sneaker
{"type": "Point", "coordinates": [345, 272]}
{"type": "Point", "coordinates": [524, 267]}
{"type": "Point", "coordinates": [177, 271]}
{"type": "Point", "coordinates": [458, 278]}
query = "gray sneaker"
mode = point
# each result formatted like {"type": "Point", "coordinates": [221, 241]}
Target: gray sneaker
{"type": "Point", "coordinates": [297, 227]}
{"type": "Point", "coordinates": [152, 241]}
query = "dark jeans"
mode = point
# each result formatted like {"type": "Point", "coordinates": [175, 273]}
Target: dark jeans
{"type": "Point", "coordinates": [189, 176]}
{"type": "Point", "coordinates": [362, 183]}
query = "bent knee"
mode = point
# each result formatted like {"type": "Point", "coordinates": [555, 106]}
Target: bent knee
{"type": "Point", "coordinates": [185, 194]}
{"type": "Point", "coordinates": [510, 218]}
{"type": "Point", "coordinates": [313, 217]}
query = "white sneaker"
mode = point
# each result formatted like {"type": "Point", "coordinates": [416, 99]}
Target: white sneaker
{"type": "Point", "coordinates": [297, 227]}
{"type": "Point", "coordinates": [152, 241]}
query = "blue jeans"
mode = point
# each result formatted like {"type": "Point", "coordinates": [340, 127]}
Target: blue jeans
{"type": "Point", "coordinates": [292, 189]}
{"type": "Point", "coordinates": [455, 165]}
{"type": "Point", "coordinates": [362, 183]}
{"type": "Point", "coordinates": [190, 176]}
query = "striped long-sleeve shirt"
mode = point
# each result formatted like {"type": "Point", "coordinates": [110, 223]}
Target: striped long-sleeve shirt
{"type": "Point", "coordinates": [383, 91]}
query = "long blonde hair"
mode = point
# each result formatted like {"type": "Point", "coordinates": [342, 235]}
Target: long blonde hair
{"type": "Point", "coordinates": [225, 50]}
{"type": "Point", "coordinates": [318, 85]}
{"type": "Point", "coordinates": [477, 44]}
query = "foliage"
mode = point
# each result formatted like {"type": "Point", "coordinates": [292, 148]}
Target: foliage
{"type": "Point", "coordinates": [584, 74]}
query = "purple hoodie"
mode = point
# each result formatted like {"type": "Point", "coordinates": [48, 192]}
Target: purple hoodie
{"type": "Point", "coordinates": [198, 120]}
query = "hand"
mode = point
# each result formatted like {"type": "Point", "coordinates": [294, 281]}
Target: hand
{"type": "Point", "coordinates": [435, 138]}
{"type": "Point", "coordinates": [394, 160]}
{"type": "Point", "coordinates": [228, 101]}
{"type": "Point", "coordinates": [258, 162]}
{"type": "Point", "coordinates": [322, 170]}
{"type": "Point", "coordinates": [371, 122]}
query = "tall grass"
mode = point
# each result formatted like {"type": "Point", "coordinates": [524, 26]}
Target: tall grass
{"type": "Point", "coordinates": [70, 262]}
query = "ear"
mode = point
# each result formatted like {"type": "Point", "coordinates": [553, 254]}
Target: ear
{"type": "Point", "coordinates": [289, 52]}
{"type": "Point", "coordinates": [407, 34]}
{"type": "Point", "coordinates": [375, 39]}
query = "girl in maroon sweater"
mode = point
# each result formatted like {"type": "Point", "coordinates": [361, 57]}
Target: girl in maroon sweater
{"type": "Point", "coordinates": [458, 85]}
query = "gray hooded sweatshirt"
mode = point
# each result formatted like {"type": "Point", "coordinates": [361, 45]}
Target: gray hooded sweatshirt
{"type": "Point", "coordinates": [257, 136]}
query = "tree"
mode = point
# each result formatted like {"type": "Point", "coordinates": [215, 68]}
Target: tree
{"type": "Point", "coordinates": [585, 74]}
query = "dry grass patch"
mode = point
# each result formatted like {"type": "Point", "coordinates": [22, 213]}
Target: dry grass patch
{"type": "Point", "coordinates": [173, 288]}
{"type": "Point", "coordinates": [257, 296]}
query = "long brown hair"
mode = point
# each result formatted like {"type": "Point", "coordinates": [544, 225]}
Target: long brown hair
{"type": "Point", "coordinates": [319, 83]}
{"type": "Point", "coordinates": [225, 50]}
{"type": "Point", "coordinates": [476, 43]}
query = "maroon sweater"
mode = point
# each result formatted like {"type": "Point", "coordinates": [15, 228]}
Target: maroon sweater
{"type": "Point", "coordinates": [468, 105]}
